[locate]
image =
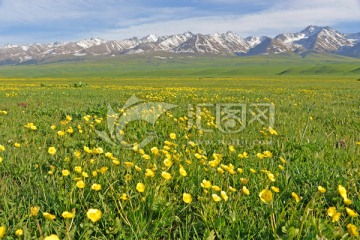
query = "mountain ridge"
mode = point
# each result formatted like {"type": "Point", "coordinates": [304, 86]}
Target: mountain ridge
{"type": "Point", "coordinates": [312, 39]}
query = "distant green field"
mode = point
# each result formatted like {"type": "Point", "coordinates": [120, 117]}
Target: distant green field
{"type": "Point", "coordinates": [166, 65]}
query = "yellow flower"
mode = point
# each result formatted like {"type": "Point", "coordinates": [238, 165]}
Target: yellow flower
{"type": "Point", "coordinates": [347, 201]}
{"type": "Point", "coordinates": [351, 213]}
{"type": "Point", "coordinates": [252, 170]}
{"type": "Point", "coordinates": [52, 237]}
{"type": "Point", "coordinates": [173, 136]}
{"type": "Point", "coordinates": [1, 159]}
{"type": "Point", "coordinates": [187, 198]}
{"type": "Point", "coordinates": [275, 189]}
{"type": "Point", "coordinates": [34, 211]}
{"type": "Point", "coordinates": [60, 133]}
{"type": "Point", "coordinates": [154, 151]}
{"type": "Point", "coordinates": [342, 191]}
{"type": "Point", "coordinates": [243, 155]}
{"type": "Point", "coordinates": [216, 188]}
{"type": "Point", "coordinates": [296, 197]}
{"type": "Point", "coordinates": [336, 217]}
{"type": "Point", "coordinates": [140, 187]}
{"type": "Point", "coordinates": [182, 171]}
{"type": "Point", "coordinates": [282, 160]}
{"type": "Point", "coordinates": [331, 211]}
{"type": "Point", "coordinates": [358, 143]}
{"type": "Point", "coordinates": [232, 189]}
{"type": "Point", "coordinates": [168, 163]}
{"type": "Point", "coordinates": [272, 131]}
{"type": "Point", "coordinates": [244, 181]}
{"type": "Point", "coordinates": [352, 229]}
{"type": "Point", "coordinates": [321, 189]}
{"type": "Point", "coordinates": [65, 172]}
{"type": "Point", "coordinates": [266, 196]}
{"type": "Point", "coordinates": [77, 154]}
{"type": "Point", "coordinates": [17, 145]}
{"type": "Point", "coordinates": [68, 118]}
{"type": "Point", "coordinates": [260, 155]}
{"type": "Point", "coordinates": [53, 127]}
{"type": "Point", "coordinates": [98, 150]}
{"type": "Point", "coordinates": [96, 187]}
{"type": "Point", "coordinates": [49, 216]}
{"type": "Point", "coordinates": [281, 167]}
{"type": "Point", "coordinates": [80, 184]}
{"type": "Point", "coordinates": [124, 197]}
{"type": "Point", "coordinates": [232, 148]}
{"type": "Point", "coordinates": [216, 198]}
{"type": "Point", "coordinates": [245, 190]}
{"type": "Point", "coordinates": [128, 164]}
{"type": "Point", "coordinates": [149, 173]}
{"type": "Point", "coordinates": [2, 231]}
{"type": "Point", "coordinates": [2, 148]}
{"type": "Point", "coordinates": [94, 214]}
{"type": "Point", "coordinates": [205, 184]}
{"type": "Point", "coordinates": [271, 176]}
{"type": "Point", "coordinates": [67, 214]}
{"type": "Point", "coordinates": [267, 154]}
{"type": "Point", "coordinates": [19, 232]}
{"type": "Point", "coordinates": [52, 150]}
{"type": "Point", "coordinates": [224, 195]}
{"type": "Point", "coordinates": [78, 169]}
{"type": "Point", "coordinates": [166, 175]}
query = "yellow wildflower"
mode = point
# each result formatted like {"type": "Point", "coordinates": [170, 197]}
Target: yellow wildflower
{"type": "Point", "coordinates": [94, 214]}
{"type": "Point", "coordinates": [149, 173]}
{"type": "Point", "coordinates": [80, 184]}
{"type": "Point", "coordinates": [166, 175]}
{"type": "Point", "coordinates": [34, 211]}
{"type": "Point", "coordinates": [275, 189]}
{"type": "Point", "coordinates": [19, 232]}
{"type": "Point", "coordinates": [224, 195]}
{"type": "Point", "coordinates": [296, 197]}
{"type": "Point", "coordinates": [216, 188]}
{"type": "Point", "coordinates": [2, 148]}
{"type": "Point", "coordinates": [351, 213]}
{"type": "Point", "coordinates": [331, 211]}
{"type": "Point", "coordinates": [124, 197]}
{"type": "Point", "coordinates": [336, 217]}
{"type": "Point", "coordinates": [206, 184]}
{"type": "Point", "coordinates": [173, 136]}
{"type": "Point", "coordinates": [65, 172]}
{"type": "Point", "coordinates": [52, 150]}
{"type": "Point", "coordinates": [321, 189]}
{"type": "Point", "coordinates": [96, 187]}
{"type": "Point", "coordinates": [140, 187]}
{"type": "Point", "coordinates": [68, 215]}
{"type": "Point", "coordinates": [187, 198]}
{"type": "Point", "coordinates": [17, 145]}
{"type": "Point", "coordinates": [342, 191]}
{"type": "Point", "coordinates": [266, 196]}
{"type": "Point", "coordinates": [182, 171]}
{"type": "Point", "coordinates": [49, 216]}
{"type": "Point", "coordinates": [52, 237]}
{"type": "Point", "coordinates": [2, 231]}
{"type": "Point", "coordinates": [245, 190]}
{"type": "Point", "coordinates": [352, 229]}
{"type": "Point", "coordinates": [216, 198]}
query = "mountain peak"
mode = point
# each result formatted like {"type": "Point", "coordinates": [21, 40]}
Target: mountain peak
{"type": "Point", "coordinates": [312, 39]}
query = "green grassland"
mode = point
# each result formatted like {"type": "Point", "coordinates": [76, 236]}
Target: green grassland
{"type": "Point", "coordinates": [317, 112]}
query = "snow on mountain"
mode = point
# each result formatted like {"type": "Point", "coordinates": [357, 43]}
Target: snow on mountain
{"type": "Point", "coordinates": [311, 39]}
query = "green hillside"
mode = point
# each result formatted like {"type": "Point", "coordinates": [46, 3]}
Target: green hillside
{"type": "Point", "coordinates": [166, 65]}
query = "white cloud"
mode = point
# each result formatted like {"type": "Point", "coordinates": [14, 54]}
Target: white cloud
{"type": "Point", "coordinates": [285, 16]}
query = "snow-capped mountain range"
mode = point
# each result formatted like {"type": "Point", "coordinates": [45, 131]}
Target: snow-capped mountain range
{"type": "Point", "coordinates": [312, 39]}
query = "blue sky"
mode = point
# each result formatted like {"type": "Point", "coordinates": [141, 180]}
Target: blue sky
{"type": "Point", "coordinates": [29, 21]}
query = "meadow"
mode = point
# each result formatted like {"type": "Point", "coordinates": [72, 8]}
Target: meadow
{"type": "Point", "coordinates": [298, 179]}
